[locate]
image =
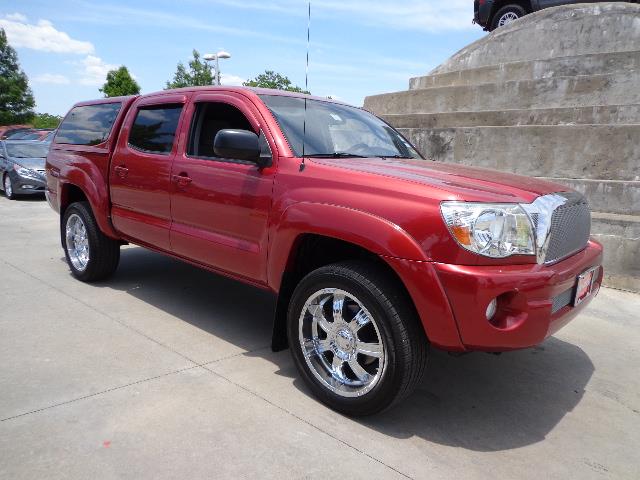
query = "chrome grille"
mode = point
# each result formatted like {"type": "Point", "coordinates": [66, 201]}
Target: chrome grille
{"type": "Point", "coordinates": [570, 229]}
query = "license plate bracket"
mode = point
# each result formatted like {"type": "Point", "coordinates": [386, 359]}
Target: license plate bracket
{"type": "Point", "coordinates": [584, 285]}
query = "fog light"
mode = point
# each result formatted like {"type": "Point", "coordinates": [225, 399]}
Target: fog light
{"type": "Point", "coordinates": [28, 187]}
{"type": "Point", "coordinates": [491, 308]}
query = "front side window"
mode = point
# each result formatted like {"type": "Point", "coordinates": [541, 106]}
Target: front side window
{"type": "Point", "coordinates": [326, 129]}
{"type": "Point", "coordinates": [209, 119]}
{"type": "Point", "coordinates": [88, 124]}
{"type": "Point", "coordinates": [154, 129]}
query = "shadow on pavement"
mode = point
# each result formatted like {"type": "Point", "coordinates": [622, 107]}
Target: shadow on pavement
{"type": "Point", "coordinates": [488, 403]}
{"type": "Point", "coordinates": [35, 197]}
{"type": "Point", "coordinates": [478, 401]}
{"type": "Point", "coordinates": [235, 312]}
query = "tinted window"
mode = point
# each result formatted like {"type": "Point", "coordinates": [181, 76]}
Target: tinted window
{"type": "Point", "coordinates": [154, 128]}
{"type": "Point", "coordinates": [27, 150]}
{"type": "Point", "coordinates": [30, 136]}
{"type": "Point", "coordinates": [209, 119]}
{"type": "Point", "coordinates": [88, 125]}
{"type": "Point", "coordinates": [15, 134]}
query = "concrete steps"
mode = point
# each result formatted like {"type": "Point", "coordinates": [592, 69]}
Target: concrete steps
{"type": "Point", "coordinates": [582, 115]}
{"type": "Point", "coordinates": [619, 197]}
{"type": "Point", "coordinates": [627, 226]}
{"type": "Point", "coordinates": [555, 95]}
{"type": "Point", "coordinates": [575, 91]}
{"type": "Point", "coordinates": [590, 64]}
{"type": "Point", "coordinates": [620, 236]}
{"type": "Point", "coordinates": [560, 151]}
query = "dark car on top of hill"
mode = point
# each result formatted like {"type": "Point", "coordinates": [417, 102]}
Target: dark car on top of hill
{"type": "Point", "coordinates": [374, 252]}
{"type": "Point", "coordinates": [491, 14]}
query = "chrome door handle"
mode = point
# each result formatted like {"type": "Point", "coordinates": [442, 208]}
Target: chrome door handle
{"type": "Point", "coordinates": [182, 180]}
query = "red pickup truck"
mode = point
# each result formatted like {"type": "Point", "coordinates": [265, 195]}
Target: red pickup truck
{"type": "Point", "coordinates": [374, 252]}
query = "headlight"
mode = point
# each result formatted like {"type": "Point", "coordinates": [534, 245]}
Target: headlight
{"type": "Point", "coordinates": [495, 230]}
{"type": "Point", "coordinates": [25, 172]}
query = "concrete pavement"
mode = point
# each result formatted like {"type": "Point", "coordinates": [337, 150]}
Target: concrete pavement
{"type": "Point", "coordinates": [165, 371]}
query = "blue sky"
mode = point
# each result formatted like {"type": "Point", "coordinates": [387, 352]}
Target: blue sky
{"type": "Point", "coordinates": [358, 47]}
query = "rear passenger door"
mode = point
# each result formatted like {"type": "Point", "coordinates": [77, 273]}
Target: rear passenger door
{"type": "Point", "coordinates": [141, 169]}
{"type": "Point", "coordinates": [220, 206]}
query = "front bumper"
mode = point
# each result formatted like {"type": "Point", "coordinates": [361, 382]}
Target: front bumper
{"type": "Point", "coordinates": [27, 185]}
{"type": "Point", "coordinates": [526, 312]}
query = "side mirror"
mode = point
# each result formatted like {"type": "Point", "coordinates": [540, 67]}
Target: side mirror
{"type": "Point", "coordinates": [238, 144]}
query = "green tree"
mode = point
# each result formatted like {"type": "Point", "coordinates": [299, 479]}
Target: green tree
{"type": "Point", "coordinates": [16, 99]}
{"type": "Point", "coordinates": [200, 73]}
{"type": "Point", "coordinates": [119, 83]}
{"type": "Point", "coordinates": [45, 120]}
{"type": "Point", "coordinates": [271, 79]}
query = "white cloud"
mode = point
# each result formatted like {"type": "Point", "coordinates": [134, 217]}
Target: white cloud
{"type": "Point", "coordinates": [228, 79]}
{"type": "Point", "coordinates": [93, 71]}
{"type": "Point", "coordinates": [18, 17]}
{"type": "Point", "coordinates": [51, 78]}
{"type": "Point", "coordinates": [42, 36]}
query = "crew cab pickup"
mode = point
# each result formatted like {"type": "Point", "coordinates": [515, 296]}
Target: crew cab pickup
{"type": "Point", "coordinates": [375, 253]}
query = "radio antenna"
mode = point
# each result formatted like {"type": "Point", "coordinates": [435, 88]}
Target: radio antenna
{"type": "Point", "coordinates": [306, 87]}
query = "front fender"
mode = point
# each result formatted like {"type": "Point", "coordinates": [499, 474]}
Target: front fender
{"type": "Point", "coordinates": [364, 229]}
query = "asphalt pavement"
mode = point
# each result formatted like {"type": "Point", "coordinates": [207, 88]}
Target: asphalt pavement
{"type": "Point", "coordinates": [165, 371]}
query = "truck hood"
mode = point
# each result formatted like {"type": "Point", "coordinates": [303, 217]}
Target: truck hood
{"type": "Point", "coordinates": [461, 182]}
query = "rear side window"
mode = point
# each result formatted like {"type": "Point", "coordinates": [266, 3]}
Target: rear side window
{"type": "Point", "coordinates": [154, 128]}
{"type": "Point", "coordinates": [88, 124]}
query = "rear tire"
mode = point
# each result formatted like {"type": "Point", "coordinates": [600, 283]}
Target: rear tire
{"type": "Point", "coordinates": [369, 355]}
{"type": "Point", "coordinates": [506, 15]}
{"type": "Point", "coordinates": [90, 254]}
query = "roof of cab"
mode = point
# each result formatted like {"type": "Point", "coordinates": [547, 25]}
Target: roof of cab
{"type": "Point", "coordinates": [245, 90]}
{"type": "Point", "coordinates": [252, 91]}
{"type": "Point", "coordinates": [98, 101]}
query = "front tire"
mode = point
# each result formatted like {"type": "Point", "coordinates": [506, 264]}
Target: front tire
{"type": "Point", "coordinates": [8, 188]}
{"type": "Point", "coordinates": [90, 254]}
{"type": "Point", "coordinates": [506, 15]}
{"type": "Point", "coordinates": [355, 338]}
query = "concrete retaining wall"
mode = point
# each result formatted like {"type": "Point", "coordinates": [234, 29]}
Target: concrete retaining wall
{"type": "Point", "coordinates": [554, 95]}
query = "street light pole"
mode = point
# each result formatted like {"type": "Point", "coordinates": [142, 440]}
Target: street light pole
{"type": "Point", "coordinates": [209, 57]}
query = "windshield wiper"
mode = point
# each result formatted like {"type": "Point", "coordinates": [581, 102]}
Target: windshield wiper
{"type": "Point", "coordinates": [334, 155]}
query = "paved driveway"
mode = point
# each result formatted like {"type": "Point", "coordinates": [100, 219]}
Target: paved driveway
{"type": "Point", "coordinates": [165, 371]}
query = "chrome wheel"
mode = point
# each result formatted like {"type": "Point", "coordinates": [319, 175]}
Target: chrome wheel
{"type": "Point", "coordinates": [507, 18]}
{"type": "Point", "coordinates": [8, 188]}
{"type": "Point", "coordinates": [345, 353]}
{"type": "Point", "coordinates": [77, 242]}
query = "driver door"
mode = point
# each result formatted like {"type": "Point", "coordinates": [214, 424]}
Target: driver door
{"type": "Point", "coordinates": [220, 206]}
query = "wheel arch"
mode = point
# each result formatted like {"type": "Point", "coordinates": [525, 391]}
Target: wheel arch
{"type": "Point", "coordinates": [300, 245]}
{"type": "Point", "coordinates": [78, 187]}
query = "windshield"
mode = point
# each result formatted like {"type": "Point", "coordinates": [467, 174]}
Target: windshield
{"type": "Point", "coordinates": [335, 130]}
{"type": "Point", "coordinates": [27, 150]}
